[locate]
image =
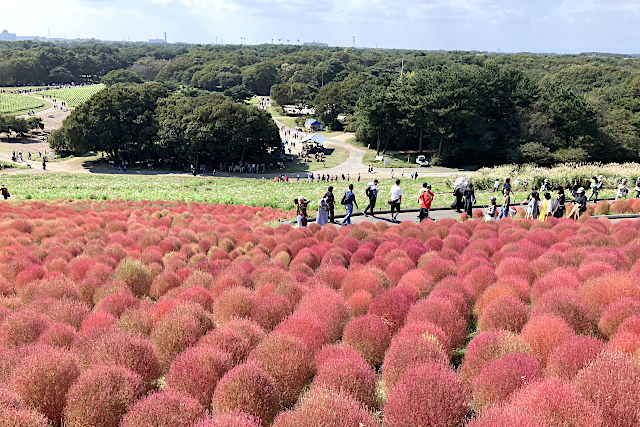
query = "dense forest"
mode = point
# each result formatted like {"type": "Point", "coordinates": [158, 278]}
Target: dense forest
{"type": "Point", "coordinates": [459, 107]}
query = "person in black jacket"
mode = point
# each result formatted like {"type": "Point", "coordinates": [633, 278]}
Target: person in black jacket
{"type": "Point", "coordinates": [331, 202]}
{"type": "Point", "coordinates": [560, 200]}
{"type": "Point", "coordinates": [580, 206]}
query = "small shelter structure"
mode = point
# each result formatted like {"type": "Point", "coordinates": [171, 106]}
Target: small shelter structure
{"type": "Point", "coordinates": [312, 125]}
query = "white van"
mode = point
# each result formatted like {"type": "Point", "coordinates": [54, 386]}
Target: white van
{"type": "Point", "coordinates": [422, 161]}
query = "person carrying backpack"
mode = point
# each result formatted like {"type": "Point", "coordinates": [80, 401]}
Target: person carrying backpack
{"type": "Point", "coordinates": [372, 194]}
{"type": "Point", "coordinates": [348, 200]}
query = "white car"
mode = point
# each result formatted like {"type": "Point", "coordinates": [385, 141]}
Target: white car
{"type": "Point", "coordinates": [422, 161]}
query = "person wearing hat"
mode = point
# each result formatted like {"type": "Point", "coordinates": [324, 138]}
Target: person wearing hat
{"type": "Point", "coordinates": [623, 189]}
{"type": "Point", "coordinates": [425, 199]}
{"type": "Point", "coordinates": [545, 186]}
{"type": "Point", "coordinates": [372, 194]}
{"type": "Point", "coordinates": [580, 206]}
{"type": "Point", "coordinates": [491, 209]}
{"type": "Point", "coordinates": [322, 218]}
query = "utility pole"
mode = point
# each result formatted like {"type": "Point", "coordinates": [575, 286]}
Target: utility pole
{"type": "Point", "coordinates": [298, 41]}
{"type": "Point", "coordinates": [402, 69]}
{"type": "Point", "coordinates": [354, 41]}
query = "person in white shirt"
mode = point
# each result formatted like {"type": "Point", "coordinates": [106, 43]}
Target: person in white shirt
{"type": "Point", "coordinates": [396, 199]}
{"type": "Point", "coordinates": [496, 185]}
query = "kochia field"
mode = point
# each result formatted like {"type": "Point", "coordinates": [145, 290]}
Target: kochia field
{"type": "Point", "coordinates": [172, 314]}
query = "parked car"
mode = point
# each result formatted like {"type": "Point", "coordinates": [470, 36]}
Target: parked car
{"type": "Point", "coordinates": [422, 161]}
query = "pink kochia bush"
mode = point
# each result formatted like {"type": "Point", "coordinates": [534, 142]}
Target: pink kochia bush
{"type": "Point", "coordinates": [158, 313]}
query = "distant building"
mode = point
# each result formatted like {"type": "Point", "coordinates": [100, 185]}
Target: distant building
{"type": "Point", "coordinates": [159, 40]}
{"type": "Point", "coordinates": [312, 125]}
{"type": "Point", "coordinates": [7, 36]}
{"type": "Point", "coordinates": [316, 43]}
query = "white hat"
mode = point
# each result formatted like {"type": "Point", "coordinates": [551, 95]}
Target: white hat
{"type": "Point", "coordinates": [600, 177]}
{"type": "Point", "coordinates": [581, 190]}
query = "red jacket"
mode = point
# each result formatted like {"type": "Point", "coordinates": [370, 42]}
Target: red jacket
{"type": "Point", "coordinates": [425, 199]}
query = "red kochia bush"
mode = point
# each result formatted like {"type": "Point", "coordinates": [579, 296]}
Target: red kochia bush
{"type": "Point", "coordinates": [327, 408]}
{"type": "Point", "coordinates": [116, 303]}
{"type": "Point", "coordinates": [164, 409]}
{"type": "Point", "coordinates": [555, 402]}
{"type": "Point", "coordinates": [392, 306]}
{"type": "Point", "coordinates": [136, 275]}
{"type": "Point", "coordinates": [615, 314]}
{"type": "Point", "coordinates": [544, 333]}
{"type": "Point", "coordinates": [443, 313]}
{"type": "Point", "coordinates": [101, 396]}
{"type": "Point", "coordinates": [601, 291]}
{"type": "Point", "coordinates": [287, 361]}
{"type": "Point", "coordinates": [429, 394]}
{"type": "Point", "coordinates": [307, 328]}
{"type": "Point", "coordinates": [248, 329]}
{"type": "Point", "coordinates": [22, 327]}
{"type": "Point", "coordinates": [229, 419]}
{"type": "Point", "coordinates": [504, 312]}
{"type": "Point", "coordinates": [133, 352]}
{"type": "Point", "coordinates": [351, 375]}
{"type": "Point", "coordinates": [43, 378]}
{"type": "Point", "coordinates": [58, 335]}
{"type": "Point", "coordinates": [363, 278]}
{"type": "Point", "coordinates": [174, 333]}
{"type": "Point", "coordinates": [427, 330]}
{"type": "Point", "coordinates": [249, 389]}
{"type": "Point", "coordinates": [335, 351]}
{"type": "Point", "coordinates": [569, 306]}
{"type": "Point", "coordinates": [270, 309]}
{"type": "Point", "coordinates": [488, 346]}
{"type": "Point", "coordinates": [229, 341]}
{"type": "Point", "coordinates": [329, 307]}
{"type": "Point", "coordinates": [18, 417]}
{"type": "Point", "coordinates": [572, 355]}
{"type": "Point", "coordinates": [499, 378]}
{"type": "Point", "coordinates": [506, 416]}
{"type": "Point", "coordinates": [196, 371]}
{"type": "Point", "coordinates": [612, 383]}
{"type": "Point", "coordinates": [370, 336]}
{"type": "Point", "coordinates": [233, 302]}
{"type": "Point", "coordinates": [406, 351]}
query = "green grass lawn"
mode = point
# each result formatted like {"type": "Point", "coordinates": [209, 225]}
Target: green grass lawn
{"type": "Point", "coordinates": [13, 104]}
{"type": "Point", "coordinates": [337, 157]}
{"type": "Point", "coordinates": [396, 160]}
{"type": "Point", "coordinates": [253, 192]}
{"type": "Point", "coordinates": [11, 165]}
{"type": "Point", "coordinates": [74, 96]}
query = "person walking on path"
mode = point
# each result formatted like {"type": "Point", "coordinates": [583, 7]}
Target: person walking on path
{"type": "Point", "coordinates": [580, 206]}
{"type": "Point", "coordinates": [532, 205]}
{"type": "Point", "coordinates": [469, 197]}
{"type": "Point", "coordinates": [372, 194]}
{"type": "Point", "coordinates": [496, 185]}
{"type": "Point", "coordinates": [506, 204]}
{"type": "Point", "coordinates": [560, 201]}
{"type": "Point", "coordinates": [348, 200]}
{"type": "Point", "coordinates": [596, 186]}
{"type": "Point", "coordinates": [507, 186]}
{"type": "Point", "coordinates": [637, 189]}
{"type": "Point", "coordinates": [331, 203]}
{"type": "Point", "coordinates": [323, 213]}
{"type": "Point", "coordinates": [396, 200]}
{"type": "Point", "coordinates": [623, 189]}
{"type": "Point", "coordinates": [425, 199]}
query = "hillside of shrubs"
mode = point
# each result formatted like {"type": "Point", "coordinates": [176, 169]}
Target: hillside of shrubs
{"type": "Point", "coordinates": [171, 314]}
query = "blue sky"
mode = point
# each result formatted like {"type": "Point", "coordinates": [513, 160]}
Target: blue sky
{"type": "Point", "coordinates": [563, 26]}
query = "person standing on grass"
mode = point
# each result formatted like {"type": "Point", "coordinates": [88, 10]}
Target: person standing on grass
{"type": "Point", "coordinates": [348, 200]}
{"type": "Point", "coordinates": [425, 199]}
{"type": "Point", "coordinates": [396, 200]}
{"type": "Point", "coordinates": [547, 208]}
{"type": "Point", "coordinates": [560, 201]}
{"type": "Point", "coordinates": [372, 194]}
{"type": "Point", "coordinates": [469, 197]}
{"type": "Point", "coordinates": [532, 205]}
{"type": "Point", "coordinates": [506, 204]}
{"type": "Point", "coordinates": [637, 189]}
{"type": "Point", "coordinates": [331, 203]}
{"type": "Point", "coordinates": [322, 218]}
{"type": "Point", "coordinates": [496, 185]}
{"type": "Point", "coordinates": [301, 211]}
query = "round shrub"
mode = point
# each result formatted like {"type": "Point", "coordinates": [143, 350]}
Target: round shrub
{"type": "Point", "coordinates": [116, 303]}
{"type": "Point", "coordinates": [137, 320]}
{"type": "Point", "coordinates": [229, 419]}
{"type": "Point", "coordinates": [555, 402]}
{"type": "Point", "coordinates": [569, 306]}
{"type": "Point", "coordinates": [326, 407]}
{"type": "Point", "coordinates": [427, 330]}
{"type": "Point", "coordinates": [499, 378]}
{"type": "Point", "coordinates": [135, 275]}
{"type": "Point", "coordinates": [359, 303]}
{"type": "Point", "coordinates": [329, 307]}
{"type": "Point", "coordinates": [428, 394]}
{"type": "Point", "coordinates": [249, 389]}
{"type": "Point", "coordinates": [307, 328]}
{"type": "Point", "coordinates": [362, 279]}
{"type": "Point", "coordinates": [506, 416]}
{"type": "Point", "coordinates": [406, 351]}
{"type": "Point", "coordinates": [270, 309]}
{"type": "Point", "coordinates": [96, 323]}
{"type": "Point", "coordinates": [443, 313]}
{"type": "Point", "coordinates": [599, 292]}
{"type": "Point", "coordinates": [490, 294]}
{"type": "Point", "coordinates": [349, 375]}
{"type": "Point", "coordinates": [370, 336]}
{"type": "Point", "coordinates": [488, 346]}
{"type": "Point", "coordinates": [566, 360]}
{"type": "Point", "coordinates": [233, 302]}
{"type": "Point", "coordinates": [287, 361]}
{"type": "Point", "coordinates": [101, 396]}
{"type": "Point", "coordinates": [615, 314]}
{"type": "Point", "coordinates": [561, 277]}
{"type": "Point", "coordinates": [248, 329]}
{"type": "Point", "coordinates": [197, 370]}
{"type": "Point", "coordinates": [504, 312]}
{"type": "Point", "coordinates": [229, 341]}
{"type": "Point", "coordinates": [544, 333]}
{"type": "Point", "coordinates": [22, 417]}
{"type": "Point", "coordinates": [43, 378]}
{"type": "Point", "coordinates": [164, 409]}
{"type": "Point", "coordinates": [22, 327]}
{"type": "Point", "coordinates": [392, 306]}
{"type": "Point", "coordinates": [335, 351]}
{"type": "Point", "coordinates": [625, 342]}
{"type": "Point", "coordinates": [174, 333]}
{"type": "Point", "coordinates": [133, 352]}
{"type": "Point", "coordinates": [58, 335]}
{"type": "Point", "coordinates": [612, 383]}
